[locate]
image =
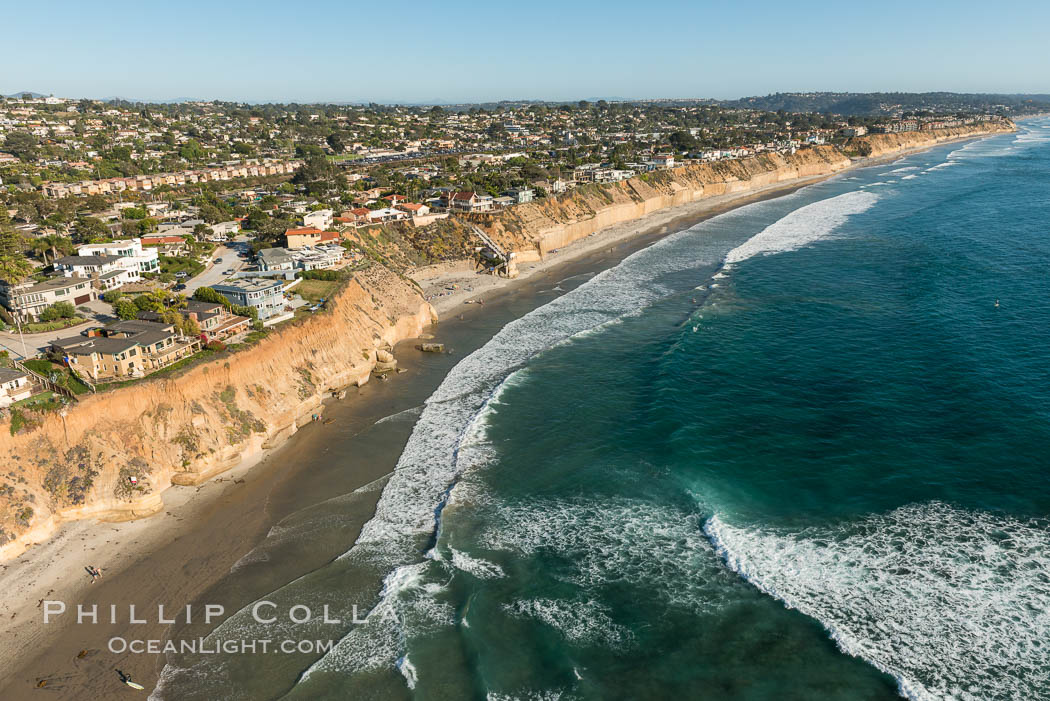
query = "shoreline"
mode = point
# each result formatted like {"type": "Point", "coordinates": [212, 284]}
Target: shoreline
{"type": "Point", "coordinates": [473, 286]}
{"type": "Point", "coordinates": [169, 555]}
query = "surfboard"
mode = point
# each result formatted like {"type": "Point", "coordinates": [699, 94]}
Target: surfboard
{"type": "Point", "coordinates": [135, 685]}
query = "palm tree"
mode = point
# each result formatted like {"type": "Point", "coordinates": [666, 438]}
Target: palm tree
{"type": "Point", "coordinates": [58, 244]}
{"type": "Point", "coordinates": [53, 244]}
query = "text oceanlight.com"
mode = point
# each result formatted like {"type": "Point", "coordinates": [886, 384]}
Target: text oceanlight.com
{"type": "Point", "coordinates": [200, 646]}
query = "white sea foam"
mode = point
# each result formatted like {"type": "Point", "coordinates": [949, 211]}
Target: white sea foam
{"type": "Point", "coordinates": [906, 169]}
{"type": "Point", "coordinates": [526, 695]}
{"type": "Point", "coordinates": [909, 177]}
{"type": "Point", "coordinates": [580, 622]}
{"type": "Point", "coordinates": [448, 440]}
{"type": "Point", "coordinates": [955, 604]}
{"type": "Point", "coordinates": [804, 226]}
{"type": "Point", "coordinates": [404, 415]}
{"type": "Point", "coordinates": [482, 569]}
{"type": "Point", "coordinates": [608, 542]}
{"type": "Point", "coordinates": [408, 671]}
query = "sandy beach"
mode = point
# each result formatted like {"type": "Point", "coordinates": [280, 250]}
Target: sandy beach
{"type": "Point", "coordinates": [176, 555]}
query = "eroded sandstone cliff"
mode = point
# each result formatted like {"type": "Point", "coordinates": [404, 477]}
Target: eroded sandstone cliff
{"type": "Point", "coordinates": [186, 428]}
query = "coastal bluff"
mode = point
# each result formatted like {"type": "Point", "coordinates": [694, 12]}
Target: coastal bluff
{"type": "Point", "coordinates": [535, 229]}
{"type": "Point", "coordinates": [185, 428]}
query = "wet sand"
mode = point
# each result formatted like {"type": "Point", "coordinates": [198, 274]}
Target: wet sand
{"type": "Point", "coordinates": [185, 554]}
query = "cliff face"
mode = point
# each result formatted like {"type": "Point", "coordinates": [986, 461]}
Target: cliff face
{"type": "Point", "coordinates": [541, 226]}
{"type": "Point", "coordinates": [187, 428]}
{"type": "Point", "coordinates": [876, 145]}
{"type": "Point", "coordinates": [184, 429]}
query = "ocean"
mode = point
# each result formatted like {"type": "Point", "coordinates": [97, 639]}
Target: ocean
{"type": "Point", "coordinates": [796, 451]}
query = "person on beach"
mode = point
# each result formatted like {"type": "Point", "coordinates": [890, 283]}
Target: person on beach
{"type": "Point", "coordinates": [95, 572]}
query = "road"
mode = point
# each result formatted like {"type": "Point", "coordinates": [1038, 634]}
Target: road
{"type": "Point", "coordinates": [215, 273]}
{"type": "Point", "coordinates": [38, 341]}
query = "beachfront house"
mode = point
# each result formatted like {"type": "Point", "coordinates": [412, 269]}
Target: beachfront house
{"type": "Point", "coordinates": [15, 386]}
{"type": "Point", "coordinates": [101, 358]}
{"type": "Point", "coordinates": [265, 295]}
{"type": "Point", "coordinates": [309, 236]}
{"type": "Point", "coordinates": [321, 219]}
{"type": "Point", "coordinates": [467, 201]}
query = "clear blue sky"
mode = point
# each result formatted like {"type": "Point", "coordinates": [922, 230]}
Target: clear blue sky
{"type": "Point", "coordinates": [460, 50]}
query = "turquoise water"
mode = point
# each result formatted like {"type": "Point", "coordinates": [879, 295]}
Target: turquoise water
{"type": "Point", "coordinates": [794, 452]}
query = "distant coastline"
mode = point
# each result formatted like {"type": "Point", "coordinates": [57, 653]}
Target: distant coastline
{"type": "Point", "coordinates": [52, 563]}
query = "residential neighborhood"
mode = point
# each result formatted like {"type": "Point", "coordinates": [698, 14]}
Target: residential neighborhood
{"type": "Point", "coordinates": [140, 237]}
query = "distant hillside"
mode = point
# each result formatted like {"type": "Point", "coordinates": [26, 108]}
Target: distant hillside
{"type": "Point", "coordinates": [857, 104]}
{"type": "Point", "coordinates": [23, 93]}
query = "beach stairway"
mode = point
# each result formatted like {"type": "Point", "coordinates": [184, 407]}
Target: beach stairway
{"type": "Point", "coordinates": [492, 252]}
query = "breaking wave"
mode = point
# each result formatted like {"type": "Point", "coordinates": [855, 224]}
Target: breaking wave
{"type": "Point", "coordinates": [954, 604]}
{"type": "Point", "coordinates": [804, 226]}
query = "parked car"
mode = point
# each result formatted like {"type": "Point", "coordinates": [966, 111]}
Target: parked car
{"type": "Point", "coordinates": [180, 287]}
{"type": "Point", "coordinates": [218, 260]}
{"type": "Point", "coordinates": [181, 274]}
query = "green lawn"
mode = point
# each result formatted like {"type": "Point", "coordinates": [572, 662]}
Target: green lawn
{"type": "Point", "coordinates": [45, 401]}
{"type": "Point", "coordinates": [170, 264]}
{"type": "Point", "coordinates": [314, 290]}
{"type": "Point", "coordinates": [42, 326]}
{"type": "Point", "coordinates": [65, 377]}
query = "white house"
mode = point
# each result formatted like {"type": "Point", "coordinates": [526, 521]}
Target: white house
{"type": "Point", "coordinates": [321, 219]}
{"type": "Point", "coordinates": [146, 259]}
{"type": "Point", "coordinates": [14, 386]}
{"type": "Point", "coordinates": [226, 228]}
{"type": "Point", "coordinates": [108, 272]}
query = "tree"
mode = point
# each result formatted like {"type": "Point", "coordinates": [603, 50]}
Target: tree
{"type": "Point", "coordinates": [192, 151]}
{"type": "Point", "coordinates": [245, 310]}
{"type": "Point", "coordinates": [256, 220]}
{"type": "Point", "coordinates": [95, 203]}
{"type": "Point", "coordinates": [21, 144]}
{"type": "Point", "coordinates": [134, 213]}
{"type": "Point", "coordinates": [90, 229]}
{"type": "Point", "coordinates": [682, 141]}
{"type": "Point", "coordinates": [58, 310]}
{"type": "Point", "coordinates": [308, 151]}
{"type": "Point", "coordinates": [207, 294]}
{"type": "Point", "coordinates": [210, 213]}
{"type": "Point", "coordinates": [125, 308]}
{"type": "Point", "coordinates": [14, 268]}
{"type": "Point", "coordinates": [53, 244]}
{"type": "Point", "coordinates": [335, 141]}
{"type": "Point", "coordinates": [190, 327]}
{"type": "Point", "coordinates": [151, 301]}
